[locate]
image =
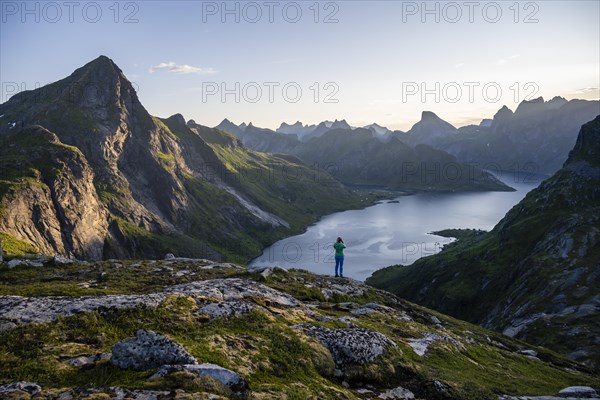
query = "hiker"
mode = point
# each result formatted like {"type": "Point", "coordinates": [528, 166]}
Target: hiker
{"type": "Point", "coordinates": [339, 247]}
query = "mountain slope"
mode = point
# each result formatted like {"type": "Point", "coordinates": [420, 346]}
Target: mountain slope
{"type": "Point", "coordinates": [359, 157]}
{"type": "Point", "coordinates": [536, 275]}
{"type": "Point", "coordinates": [286, 334]}
{"type": "Point", "coordinates": [133, 184]}
{"type": "Point", "coordinates": [356, 157]}
{"type": "Point", "coordinates": [229, 127]}
{"type": "Point", "coordinates": [266, 140]}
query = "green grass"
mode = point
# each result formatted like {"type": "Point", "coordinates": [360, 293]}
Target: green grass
{"type": "Point", "coordinates": [133, 277]}
{"type": "Point", "coordinates": [518, 264]}
{"type": "Point", "coordinates": [265, 349]}
{"type": "Point", "coordinates": [167, 161]}
{"type": "Point", "coordinates": [12, 247]}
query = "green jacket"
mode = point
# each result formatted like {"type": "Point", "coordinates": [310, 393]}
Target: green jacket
{"type": "Point", "coordinates": [339, 249]}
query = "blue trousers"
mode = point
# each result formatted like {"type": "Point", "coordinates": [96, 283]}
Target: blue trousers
{"type": "Point", "coordinates": [339, 263]}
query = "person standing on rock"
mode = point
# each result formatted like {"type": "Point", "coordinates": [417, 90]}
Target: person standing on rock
{"type": "Point", "coordinates": [339, 247]}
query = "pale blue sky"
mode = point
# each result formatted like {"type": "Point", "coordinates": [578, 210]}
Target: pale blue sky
{"type": "Point", "coordinates": [378, 57]}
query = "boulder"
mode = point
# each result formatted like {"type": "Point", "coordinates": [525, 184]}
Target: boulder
{"type": "Point", "coordinates": [528, 352]}
{"type": "Point", "coordinates": [350, 345]}
{"type": "Point", "coordinates": [85, 361]}
{"type": "Point", "coordinates": [265, 271]}
{"type": "Point", "coordinates": [13, 388]}
{"type": "Point", "coordinates": [398, 393]}
{"type": "Point", "coordinates": [420, 346]}
{"type": "Point", "coordinates": [441, 388]}
{"type": "Point", "coordinates": [580, 391]}
{"type": "Point", "coordinates": [28, 263]}
{"type": "Point", "coordinates": [149, 350]}
{"type": "Point", "coordinates": [238, 385]}
{"type": "Point", "coordinates": [60, 260]}
{"type": "Point", "coordinates": [233, 308]}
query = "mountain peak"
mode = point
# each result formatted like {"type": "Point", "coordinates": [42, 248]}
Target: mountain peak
{"type": "Point", "coordinates": [587, 147]}
{"type": "Point", "coordinates": [533, 105]}
{"type": "Point", "coordinates": [340, 124]}
{"type": "Point", "coordinates": [429, 118]}
{"type": "Point", "coordinates": [503, 114]}
{"type": "Point", "coordinates": [177, 120]}
{"type": "Point", "coordinates": [486, 122]}
{"type": "Point", "coordinates": [102, 59]}
{"type": "Point", "coordinates": [429, 129]}
{"type": "Point", "coordinates": [297, 124]}
{"type": "Point", "coordinates": [556, 102]}
{"type": "Point", "coordinates": [102, 66]}
{"type": "Point", "coordinates": [429, 115]}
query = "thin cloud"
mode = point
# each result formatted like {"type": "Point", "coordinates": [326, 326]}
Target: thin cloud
{"type": "Point", "coordinates": [181, 69]}
{"type": "Point", "coordinates": [587, 89]}
{"type": "Point", "coordinates": [588, 93]}
{"type": "Point", "coordinates": [504, 61]}
{"type": "Point", "coordinates": [459, 65]}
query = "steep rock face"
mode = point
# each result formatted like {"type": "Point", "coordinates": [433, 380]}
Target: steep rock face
{"type": "Point", "coordinates": [59, 212]}
{"type": "Point", "coordinates": [536, 275]}
{"type": "Point", "coordinates": [135, 185]}
{"type": "Point", "coordinates": [535, 139]}
{"type": "Point", "coordinates": [97, 111]}
{"type": "Point", "coordinates": [429, 129]}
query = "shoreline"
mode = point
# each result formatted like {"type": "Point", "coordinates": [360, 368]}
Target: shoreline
{"type": "Point", "coordinates": [373, 202]}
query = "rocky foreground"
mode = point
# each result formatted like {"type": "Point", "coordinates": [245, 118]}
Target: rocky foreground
{"type": "Point", "coordinates": [194, 329]}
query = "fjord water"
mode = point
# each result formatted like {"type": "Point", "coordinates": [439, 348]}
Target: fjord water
{"type": "Point", "coordinates": [393, 232]}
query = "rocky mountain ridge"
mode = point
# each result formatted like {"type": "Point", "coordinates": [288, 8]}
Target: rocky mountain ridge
{"type": "Point", "coordinates": [532, 140]}
{"type": "Point", "coordinates": [364, 158]}
{"type": "Point", "coordinates": [89, 173]}
{"type": "Point", "coordinates": [178, 327]}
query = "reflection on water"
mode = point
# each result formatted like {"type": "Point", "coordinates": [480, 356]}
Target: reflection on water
{"type": "Point", "coordinates": [391, 232]}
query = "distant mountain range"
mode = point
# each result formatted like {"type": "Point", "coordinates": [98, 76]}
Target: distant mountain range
{"type": "Point", "coordinates": [536, 275]}
{"type": "Point", "coordinates": [535, 139]}
{"type": "Point", "coordinates": [91, 174]}
{"type": "Point", "coordinates": [306, 132]}
{"type": "Point", "coordinates": [532, 140]}
{"type": "Point", "coordinates": [371, 157]}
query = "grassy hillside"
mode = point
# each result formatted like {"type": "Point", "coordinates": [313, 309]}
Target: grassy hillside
{"type": "Point", "coordinates": [277, 360]}
{"type": "Point", "coordinates": [536, 274]}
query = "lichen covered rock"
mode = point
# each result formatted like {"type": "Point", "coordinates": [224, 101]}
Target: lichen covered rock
{"type": "Point", "coordinates": [238, 385]}
{"type": "Point", "coordinates": [351, 345]}
{"type": "Point", "coordinates": [149, 350]}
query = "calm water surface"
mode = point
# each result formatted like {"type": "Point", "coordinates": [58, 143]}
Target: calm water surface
{"type": "Point", "coordinates": [389, 233]}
